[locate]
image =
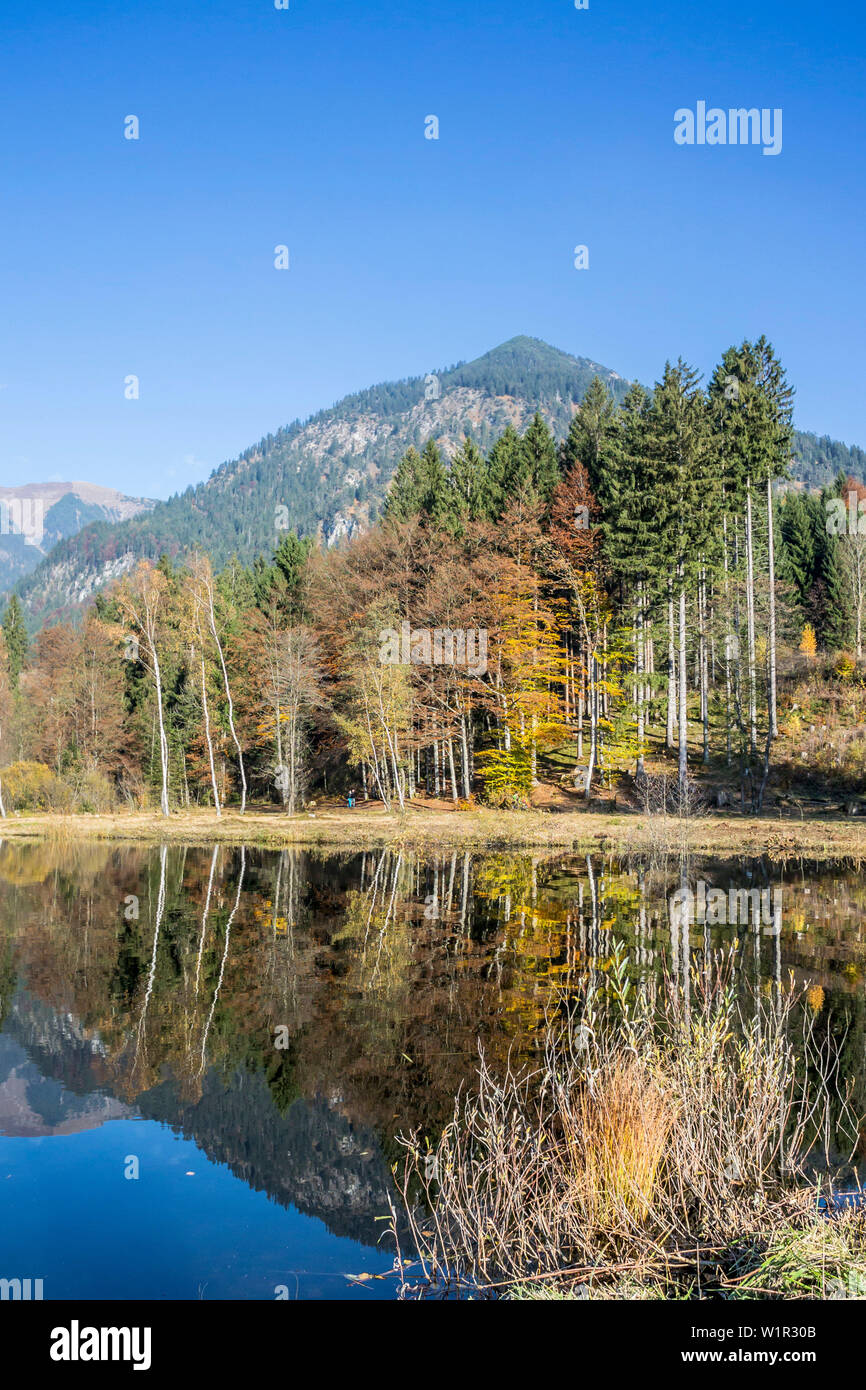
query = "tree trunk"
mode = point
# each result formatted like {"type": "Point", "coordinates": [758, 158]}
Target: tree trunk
{"type": "Point", "coordinates": [750, 620]}
{"type": "Point", "coordinates": [213, 780]}
{"type": "Point", "coordinates": [774, 726]}
{"type": "Point", "coordinates": [672, 676]}
{"type": "Point", "coordinates": [639, 662]}
{"type": "Point", "coordinates": [464, 741]}
{"type": "Point", "coordinates": [592, 696]}
{"type": "Point", "coordinates": [704, 672]}
{"type": "Point", "coordinates": [218, 644]}
{"type": "Point", "coordinates": [683, 677]}
{"type": "Point", "coordinates": [163, 741]}
{"type": "Point", "coordinates": [454, 792]}
{"type": "Point", "coordinates": [728, 644]}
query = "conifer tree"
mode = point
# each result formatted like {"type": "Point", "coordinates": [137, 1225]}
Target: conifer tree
{"type": "Point", "coordinates": [797, 557]}
{"type": "Point", "coordinates": [404, 495]}
{"type": "Point", "coordinates": [591, 438]}
{"type": "Point", "coordinates": [15, 635]}
{"type": "Point", "coordinates": [468, 486]}
{"type": "Point", "coordinates": [752, 406]}
{"type": "Point", "coordinates": [286, 576]}
{"type": "Point", "coordinates": [537, 459]}
{"type": "Point", "coordinates": [835, 608]}
{"type": "Point", "coordinates": [502, 470]}
{"type": "Point", "coordinates": [617, 454]}
{"type": "Point", "coordinates": [433, 479]}
{"type": "Point", "coordinates": [680, 450]}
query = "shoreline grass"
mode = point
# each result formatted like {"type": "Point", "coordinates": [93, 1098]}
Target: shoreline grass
{"type": "Point", "coordinates": [371, 827]}
{"type": "Point", "coordinates": [663, 1147]}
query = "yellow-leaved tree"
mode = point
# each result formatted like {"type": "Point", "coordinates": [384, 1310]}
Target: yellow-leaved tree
{"type": "Point", "coordinates": [526, 672]}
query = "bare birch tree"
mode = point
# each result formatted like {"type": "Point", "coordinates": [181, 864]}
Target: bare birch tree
{"type": "Point", "coordinates": [142, 599]}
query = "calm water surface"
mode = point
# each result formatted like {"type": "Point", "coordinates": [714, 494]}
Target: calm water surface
{"type": "Point", "coordinates": [206, 1057]}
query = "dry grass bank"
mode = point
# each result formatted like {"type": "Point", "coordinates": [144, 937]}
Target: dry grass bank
{"type": "Point", "coordinates": [370, 826]}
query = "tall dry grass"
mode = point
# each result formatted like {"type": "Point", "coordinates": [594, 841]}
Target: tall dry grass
{"type": "Point", "coordinates": [661, 1120]}
{"type": "Point", "coordinates": [615, 1130]}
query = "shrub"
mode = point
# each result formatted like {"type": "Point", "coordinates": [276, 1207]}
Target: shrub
{"type": "Point", "coordinates": [506, 774]}
{"type": "Point", "coordinates": [31, 786]}
{"type": "Point", "coordinates": [95, 792]}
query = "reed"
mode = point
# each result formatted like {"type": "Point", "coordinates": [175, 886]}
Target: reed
{"type": "Point", "coordinates": [666, 1126]}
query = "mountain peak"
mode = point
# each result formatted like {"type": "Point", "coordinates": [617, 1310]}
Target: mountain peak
{"type": "Point", "coordinates": [525, 348]}
{"type": "Point", "coordinates": [525, 365]}
{"type": "Point", "coordinates": [325, 476]}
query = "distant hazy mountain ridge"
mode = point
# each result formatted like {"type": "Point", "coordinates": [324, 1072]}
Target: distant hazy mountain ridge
{"type": "Point", "coordinates": [36, 516]}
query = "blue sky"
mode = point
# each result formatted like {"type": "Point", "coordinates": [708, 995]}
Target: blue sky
{"type": "Point", "coordinates": [306, 127]}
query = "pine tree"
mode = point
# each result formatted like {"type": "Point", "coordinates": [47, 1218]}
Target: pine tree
{"type": "Point", "coordinates": [681, 452]}
{"type": "Point", "coordinates": [752, 408]}
{"type": "Point", "coordinates": [797, 557]}
{"type": "Point", "coordinates": [618, 455]}
{"type": "Point", "coordinates": [433, 480]}
{"type": "Point", "coordinates": [502, 469]}
{"type": "Point", "coordinates": [15, 634]}
{"type": "Point", "coordinates": [538, 464]}
{"type": "Point", "coordinates": [468, 486]}
{"type": "Point", "coordinates": [591, 438]}
{"type": "Point", "coordinates": [835, 608]}
{"type": "Point", "coordinates": [404, 495]}
{"type": "Point", "coordinates": [290, 560]}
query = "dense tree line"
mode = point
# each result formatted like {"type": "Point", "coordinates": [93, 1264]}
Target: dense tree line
{"type": "Point", "coordinates": [642, 579]}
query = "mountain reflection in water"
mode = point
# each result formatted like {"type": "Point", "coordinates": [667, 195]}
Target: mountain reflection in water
{"type": "Point", "coordinates": [290, 1014]}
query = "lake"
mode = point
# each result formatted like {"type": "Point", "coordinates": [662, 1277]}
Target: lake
{"type": "Point", "coordinates": [207, 1057]}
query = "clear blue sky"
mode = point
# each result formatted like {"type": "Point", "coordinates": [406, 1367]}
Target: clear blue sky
{"type": "Point", "coordinates": [306, 127]}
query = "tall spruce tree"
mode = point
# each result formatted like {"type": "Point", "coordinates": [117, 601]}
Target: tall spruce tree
{"type": "Point", "coordinates": [468, 486]}
{"type": "Point", "coordinates": [752, 408]}
{"type": "Point", "coordinates": [797, 558]}
{"type": "Point", "coordinates": [404, 495]}
{"type": "Point", "coordinates": [502, 468]}
{"type": "Point", "coordinates": [591, 436]}
{"type": "Point", "coordinates": [17, 642]}
{"type": "Point", "coordinates": [419, 486]}
{"type": "Point", "coordinates": [615, 451]}
{"type": "Point", "coordinates": [680, 450]}
{"type": "Point", "coordinates": [538, 461]}
{"type": "Point", "coordinates": [834, 607]}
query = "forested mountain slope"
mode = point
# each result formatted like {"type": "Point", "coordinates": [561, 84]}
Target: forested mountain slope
{"type": "Point", "coordinates": [328, 475]}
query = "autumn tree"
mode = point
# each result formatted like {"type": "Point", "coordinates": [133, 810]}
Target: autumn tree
{"type": "Point", "coordinates": [142, 601]}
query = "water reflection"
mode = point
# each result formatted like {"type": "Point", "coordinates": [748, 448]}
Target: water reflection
{"type": "Point", "coordinates": [292, 1012]}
